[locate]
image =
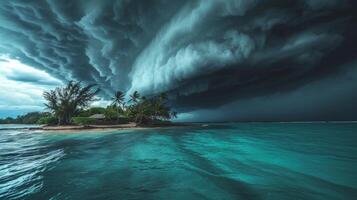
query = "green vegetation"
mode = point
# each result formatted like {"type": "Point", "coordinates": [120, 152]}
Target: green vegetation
{"type": "Point", "coordinates": [144, 110]}
{"type": "Point", "coordinates": [111, 113]}
{"type": "Point", "coordinates": [70, 104]}
{"type": "Point", "coordinates": [118, 103]}
{"type": "Point", "coordinates": [66, 102]}
{"type": "Point", "coordinates": [83, 120]}
{"type": "Point", "coordinates": [91, 111]}
{"type": "Point", "coordinates": [29, 118]}
{"type": "Point", "coordinates": [48, 120]}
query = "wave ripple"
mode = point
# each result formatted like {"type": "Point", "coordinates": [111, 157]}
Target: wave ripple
{"type": "Point", "coordinates": [23, 157]}
{"type": "Point", "coordinates": [240, 161]}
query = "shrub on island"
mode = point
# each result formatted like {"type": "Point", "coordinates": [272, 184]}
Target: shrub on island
{"type": "Point", "coordinates": [91, 111]}
{"type": "Point", "coordinates": [110, 114]}
{"type": "Point", "coordinates": [83, 120]}
{"type": "Point", "coordinates": [49, 120]}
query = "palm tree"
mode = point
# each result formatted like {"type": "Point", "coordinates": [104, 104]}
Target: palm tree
{"type": "Point", "coordinates": [138, 108]}
{"type": "Point", "coordinates": [67, 101]}
{"type": "Point", "coordinates": [135, 97]}
{"type": "Point", "coordinates": [118, 100]}
{"type": "Point", "coordinates": [173, 114]}
{"type": "Point", "coordinates": [159, 105]}
{"type": "Point", "coordinates": [143, 110]}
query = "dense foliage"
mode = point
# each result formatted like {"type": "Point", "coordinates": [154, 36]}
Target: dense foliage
{"type": "Point", "coordinates": [83, 120]}
{"type": "Point", "coordinates": [91, 111]}
{"type": "Point", "coordinates": [113, 113]}
{"type": "Point", "coordinates": [118, 103]}
{"type": "Point", "coordinates": [29, 118]}
{"type": "Point", "coordinates": [144, 110]}
{"type": "Point", "coordinates": [48, 120]}
{"type": "Point", "coordinates": [69, 105]}
{"type": "Point", "coordinates": [67, 101]}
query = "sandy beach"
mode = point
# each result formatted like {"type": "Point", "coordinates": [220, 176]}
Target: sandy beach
{"type": "Point", "coordinates": [80, 128]}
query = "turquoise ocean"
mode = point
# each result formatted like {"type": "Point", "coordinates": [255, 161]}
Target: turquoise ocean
{"type": "Point", "coordinates": [248, 161]}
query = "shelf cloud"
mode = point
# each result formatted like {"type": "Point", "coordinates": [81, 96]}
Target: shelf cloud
{"type": "Point", "coordinates": [210, 56]}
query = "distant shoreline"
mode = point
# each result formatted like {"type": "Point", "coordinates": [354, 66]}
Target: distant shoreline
{"type": "Point", "coordinates": [226, 122]}
{"type": "Point", "coordinates": [78, 128]}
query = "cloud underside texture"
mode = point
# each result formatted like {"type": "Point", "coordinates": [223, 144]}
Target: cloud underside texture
{"type": "Point", "coordinates": [210, 56]}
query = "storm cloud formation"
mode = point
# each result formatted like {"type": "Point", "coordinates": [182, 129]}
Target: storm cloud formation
{"type": "Point", "coordinates": [217, 59]}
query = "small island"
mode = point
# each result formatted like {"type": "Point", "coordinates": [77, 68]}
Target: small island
{"type": "Point", "coordinates": [68, 108]}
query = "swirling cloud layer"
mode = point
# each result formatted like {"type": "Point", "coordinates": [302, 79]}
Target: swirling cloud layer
{"type": "Point", "coordinates": [209, 55]}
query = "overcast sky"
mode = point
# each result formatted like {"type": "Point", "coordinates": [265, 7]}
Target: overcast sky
{"type": "Point", "coordinates": [218, 60]}
{"type": "Point", "coordinates": [21, 87]}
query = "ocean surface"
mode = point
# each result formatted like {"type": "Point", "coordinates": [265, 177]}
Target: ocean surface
{"type": "Point", "coordinates": [248, 161]}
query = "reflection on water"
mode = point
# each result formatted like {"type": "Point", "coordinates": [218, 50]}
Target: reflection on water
{"type": "Point", "coordinates": [219, 161]}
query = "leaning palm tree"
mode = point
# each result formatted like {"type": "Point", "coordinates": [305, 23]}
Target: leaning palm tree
{"type": "Point", "coordinates": [65, 102]}
{"type": "Point", "coordinates": [135, 97]}
{"type": "Point", "coordinates": [118, 100]}
{"type": "Point", "coordinates": [137, 107]}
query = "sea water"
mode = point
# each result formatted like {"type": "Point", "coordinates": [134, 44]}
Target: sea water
{"type": "Point", "coordinates": [248, 161]}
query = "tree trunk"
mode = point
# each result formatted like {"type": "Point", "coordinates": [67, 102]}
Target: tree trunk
{"type": "Point", "coordinates": [118, 114]}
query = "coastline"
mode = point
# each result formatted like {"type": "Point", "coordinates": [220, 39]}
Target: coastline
{"type": "Point", "coordinates": [80, 128]}
{"type": "Point", "coordinates": [129, 126]}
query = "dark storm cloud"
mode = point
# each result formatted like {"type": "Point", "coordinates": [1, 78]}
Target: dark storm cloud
{"type": "Point", "coordinates": [32, 78]}
{"type": "Point", "coordinates": [205, 53]}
